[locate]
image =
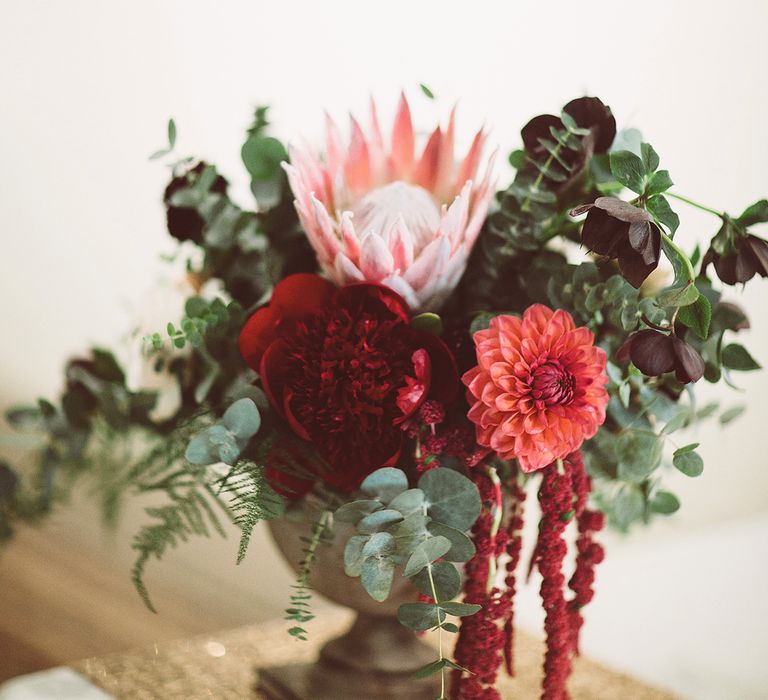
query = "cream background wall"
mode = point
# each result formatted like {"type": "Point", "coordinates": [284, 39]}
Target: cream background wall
{"type": "Point", "coordinates": [86, 88]}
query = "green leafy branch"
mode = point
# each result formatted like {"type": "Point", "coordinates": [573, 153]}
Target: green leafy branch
{"type": "Point", "coordinates": [423, 530]}
{"type": "Point", "coordinates": [299, 610]}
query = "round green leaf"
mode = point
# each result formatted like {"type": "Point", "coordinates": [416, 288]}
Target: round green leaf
{"type": "Point", "coordinates": [452, 499]}
{"type": "Point", "coordinates": [690, 463]}
{"type": "Point", "coordinates": [379, 520]}
{"type": "Point", "coordinates": [262, 156]}
{"type": "Point", "coordinates": [419, 616]}
{"type": "Point", "coordinates": [408, 502]}
{"type": "Point", "coordinates": [380, 544]}
{"type": "Point", "coordinates": [429, 550]}
{"type": "Point", "coordinates": [353, 512]}
{"type": "Point", "coordinates": [385, 483]}
{"type": "Point", "coordinates": [446, 577]}
{"type": "Point", "coordinates": [376, 577]}
{"type": "Point", "coordinates": [665, 503]}
{"type": "Point", "coordinates": [242, 418]}
{"type": "Point", "coordinates": [353, 554]}
{"type": "Point", "coordinates": [462, 547]}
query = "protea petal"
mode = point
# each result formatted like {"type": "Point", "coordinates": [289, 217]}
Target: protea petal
{"type": "Point", "coordinates": [372, 211]}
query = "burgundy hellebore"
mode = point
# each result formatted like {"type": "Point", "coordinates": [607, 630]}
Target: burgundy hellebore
{"type": "Point", "coordinates": [588, 113]}
{"type": "Point", "coordinates": [622, 231]}
{"type": "Point", "coordinates": [749, 257]}
{"type": "Point", "coordinates": [345, 369]}
{"type": "Point", "coordinates": [655, 353]}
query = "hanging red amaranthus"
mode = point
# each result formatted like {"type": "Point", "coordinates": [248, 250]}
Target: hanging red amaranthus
{"type": "Point", "coordinates": [514, 548]}
{"type": "Point", "coordinates": [589, 553]}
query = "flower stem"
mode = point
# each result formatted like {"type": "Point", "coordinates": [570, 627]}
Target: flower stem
{"type": "Point", "coordinates": [439, 629]}
{"type": "Point", "coordinates": [496, 511]}
{"type": "Point", "coordinates": [694, 204]}
{"type": "Point", "coordinates": [681, 255]}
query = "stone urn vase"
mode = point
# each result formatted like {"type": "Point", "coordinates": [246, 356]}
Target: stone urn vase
{"type": "Point", "coordinates": [376, 657]}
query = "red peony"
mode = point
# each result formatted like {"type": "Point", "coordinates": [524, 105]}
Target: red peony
{"type": "Point", "coordinates": [345, 369]}
{"type": "Point", "coordinates": [539, 388]}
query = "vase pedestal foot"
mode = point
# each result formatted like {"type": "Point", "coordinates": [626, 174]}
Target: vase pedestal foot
{"type": "Point", "coordinates": [374, 660]}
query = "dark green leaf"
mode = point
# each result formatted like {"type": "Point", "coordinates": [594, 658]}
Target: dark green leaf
{"type": "Point", "coordinates": [679, 296]}
{"type": "Point", "coordinates": [697, 316]}
{"type": "Point", "coordinates": [756, 213]}
{"type": "Point", "coordinates": [427, 91]}
{"type": "Point", "coordinates": [629, 170]}
{"type": "Point", "coordinates": [628, 506]}
{"type": "Point", "coordinates": [430, 669]}
{"type": "Point", "coordinates": [639, 453]}
{"type": "Point", "coordinates": [262, 156]}
{"type": "Point", "coordinates": [428, 322]}
{"type": "Point", "coordinates": [452, 498]}
{"type": "Point", "coordinates": [659, 208]}
{"type": "Point", "coordinates": [659, 182]}
{"type": "Point", "coordinates": [736, 357]}
{"type": "Point", "coordinates": [650, 157]}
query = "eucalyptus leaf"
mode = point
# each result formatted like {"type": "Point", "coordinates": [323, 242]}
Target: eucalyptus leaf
{"type": "Point", "coordinates": [688, 462]}
{"type": "Point", "coordinates": [408, 502]}
{"type": "Point", "coordinates": [452, 499]}
{"type": "Point", "coordinates": [380, 544]}
{"type": "Point", "coordinates": [425, 553]}
{"type": "Point", "coordinates": [639, 453]}
{"type": "Point", "coordinates": [385, 483]}
{"type": "Point", "coordinates": [379, 520]}
{"type": "Point", "coordinates": [419, 616]}
{"type": "Point", "coordinates": [242, 418]}
{"type": "Point", "coordinates": [430, 669]}
{"type": "Point", "coordinates": [353, 554]}
{"type": "Point", "coordinates": [354, 511]}
{"type": "Point", "coordinates": [731, 414]}
{"type": "Point", "coordinates": [462, 547]}
{"type": "Point", "coordinates": [376, 576]}
{"type": "Point", "coordinates": [446, 578]}
{"type": "Point", "coordinates": [665, 503]}
{"type": "Point", "coordinates": [460, 609]}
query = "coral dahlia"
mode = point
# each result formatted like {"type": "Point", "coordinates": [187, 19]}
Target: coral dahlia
{"type": "Point", "coordinates": [380, 213]}
{"type": "Point", "coordinates": [539, 388]}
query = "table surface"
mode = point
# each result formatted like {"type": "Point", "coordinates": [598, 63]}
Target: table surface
{"type": "Point", "coordinates": [225, 666]}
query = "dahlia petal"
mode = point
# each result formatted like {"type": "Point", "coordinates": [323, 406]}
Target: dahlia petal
{"type": "Point", "coordinates": [376, 262]}
{"type": "Point", "coordinates": [403, 141]}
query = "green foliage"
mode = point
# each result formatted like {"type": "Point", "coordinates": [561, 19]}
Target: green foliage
{"type": "Point", "coordinates": [225, 440]}
{"type": "Point", "coordinates": [300, 609]}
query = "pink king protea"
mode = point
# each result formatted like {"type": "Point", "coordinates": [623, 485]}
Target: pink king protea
{"type": "Point", "coordinates": [381, 214]}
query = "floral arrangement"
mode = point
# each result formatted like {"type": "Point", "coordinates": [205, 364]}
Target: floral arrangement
{"type": "Point", "coordinates": [382, 335]}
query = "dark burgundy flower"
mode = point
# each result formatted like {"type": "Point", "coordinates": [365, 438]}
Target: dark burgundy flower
{"type": "Point", "coordinates": [588, 113]}
{"type": "Point", "coordinates": [747, 256]}
{"type": "Point", "coordinates": [345, 369]}
{"type": "Point", "coordinates": [185, 223]}
{"type": "Point", "coordinates": [655, 353]}
{"type": "Point", "coordinates": [627, 233]}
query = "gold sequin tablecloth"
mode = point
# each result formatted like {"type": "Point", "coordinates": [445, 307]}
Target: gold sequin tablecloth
{"type": "Point", "coordinates": [225, 666]}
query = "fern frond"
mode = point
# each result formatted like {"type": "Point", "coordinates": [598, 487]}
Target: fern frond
{"type": "Point", "coordinates": [177, 521]}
